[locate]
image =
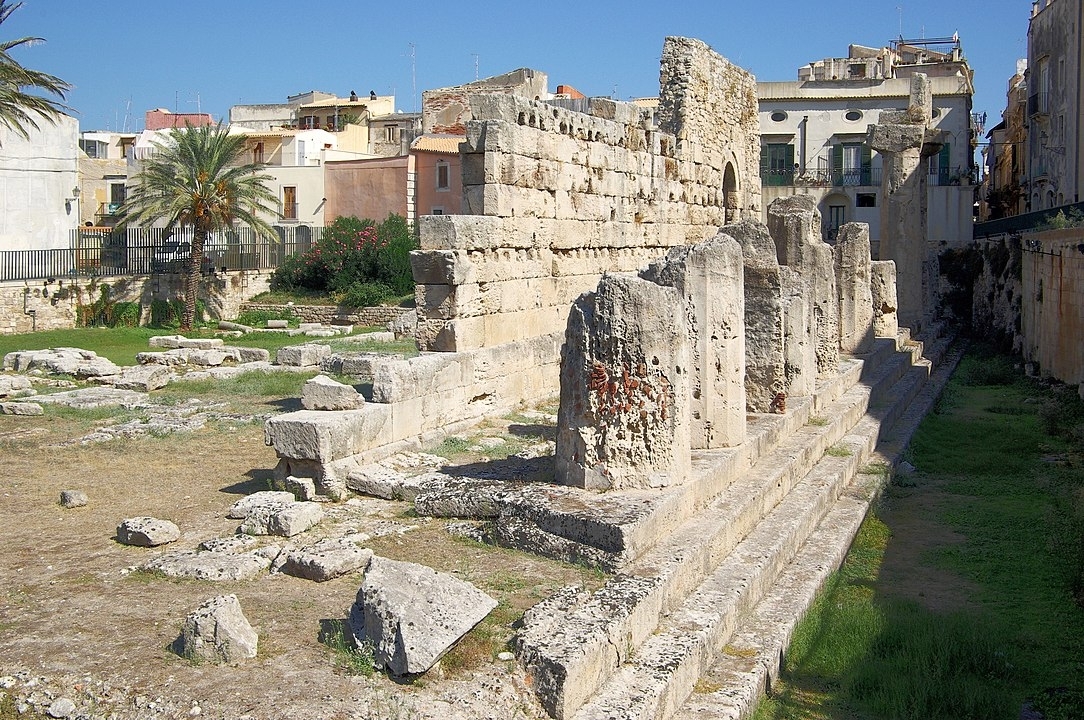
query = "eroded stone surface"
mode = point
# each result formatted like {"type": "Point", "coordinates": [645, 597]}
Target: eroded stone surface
{"type": "Point", "coordinates": [625, 371]}
{"type": "Point", "coordinates": [853, 277]}
{"type": "Point", "coordinates": [211, 565]}
{"type": "Point", "coordinates": [324, 560]}
{"type": "Point", "coordinates": [218, 631]}
{"type": "Point", "coordinates": [72, 498]}
{"type": "Point", "coordinates": [411, 615]}
{"type": "Point", "coordinates": [147, 532]}
{"type": "Point", "coordinates": [323, 393]}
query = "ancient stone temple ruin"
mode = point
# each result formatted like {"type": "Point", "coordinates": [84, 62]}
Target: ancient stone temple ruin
{"type": "Point", "coordinates": [725, 386]}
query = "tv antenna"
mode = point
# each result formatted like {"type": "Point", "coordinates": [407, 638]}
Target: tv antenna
{"type": "Point", "coordinates": [414, 76]}
{"type": "Point", "coordinates": [475, 56]}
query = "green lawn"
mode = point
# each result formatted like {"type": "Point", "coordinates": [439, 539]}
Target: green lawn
{"type": "Point", "coordinates": [1000, 487]}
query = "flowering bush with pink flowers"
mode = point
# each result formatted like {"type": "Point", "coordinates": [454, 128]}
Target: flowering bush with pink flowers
{"type": "Point", "coordinates": [356, 261]}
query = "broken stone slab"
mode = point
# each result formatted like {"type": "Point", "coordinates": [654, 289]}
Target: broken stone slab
{"type": "Point", "coordinates": [285, 520]}
{"type": "Point", "coordinates": [72, 498]}
{"type": "Point", "coordinates": [378, 480]}
{"type": "Point", "coordinates": [147, 532]}
{"type": "Point", "coordinates": [16, 385]}
{"type": "Point", "coordinates": [76, 362]}
{"type": "Point", "coordinates": [303, 355]}
{"type": "Point", "coordinates": [277, 324]}
{"type": "Point", "coordinates": [21, 408]}
{"type": "Point", "coordinates": [303, 488]}
{"type": "Point", "coordinates": [96, 397]}
{"type": "Point", "coordinates": [210, 565]}
{"type": "Point", "coordinates": [229, 544]}
{"type": "Point", "coordinates": [246, 505]}
{"type": "Point", "coordinates": [324, 560]}
{"type": "Point", "coordinates": [217, 631]}
{"type": "Point", "coordinates": [411, 615]}
{"type": "Point", "coordinates": [141, 378]}
{"type": "Point", "coordinates": [323, 393]}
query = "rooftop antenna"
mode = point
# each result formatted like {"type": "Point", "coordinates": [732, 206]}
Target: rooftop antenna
{"type": "Point", "coordinates": [414, 76]}
{"type": "Point", "coordinates": [475, 56]}
{"type": "Point", "coordinates": [899, 9]}
{"type": "Point", "coordinates": [127, 113]}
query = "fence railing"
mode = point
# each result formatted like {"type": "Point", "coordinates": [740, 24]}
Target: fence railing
{"type": "Point", "coordinates": [1039, 219]}
{"type": "Point", "coordinates": [858, 177]}
{"type": "Point", "coordinates": [104, 252]}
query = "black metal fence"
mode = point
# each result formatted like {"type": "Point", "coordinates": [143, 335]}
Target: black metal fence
{"type": "Point", "coordinates": [1040, 219]}
{"type": "Point", "coordinates": [104, 252]}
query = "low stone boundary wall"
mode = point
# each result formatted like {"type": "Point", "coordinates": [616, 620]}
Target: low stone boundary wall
{"type": "Point", "coordinates": [334, 314]}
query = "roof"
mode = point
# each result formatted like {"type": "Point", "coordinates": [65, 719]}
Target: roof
{"type": "Point", "coordinates": [437, 143]}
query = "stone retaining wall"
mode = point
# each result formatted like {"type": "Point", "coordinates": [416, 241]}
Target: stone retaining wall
{"type": "Point", "coordinates": [334, 314]}
{"type": "Point", "coordinates": [41, 305]}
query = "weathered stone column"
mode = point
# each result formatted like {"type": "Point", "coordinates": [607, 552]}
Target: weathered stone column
{"type": "Point", "coordinates": [709, 276]}
{"type": "Point", "coordinates": [853, 281]}
{"type": "Point", "coordinates": [623, 421]}
{"type": "Point", "coordinates": [883, 289]}
{"type": "Point", "coordinates": [795, 225]}
{"type": "Point", "coordinates": [799, 343]}
{"type": "Point", "coordinates": [904, 139]}
{"type": "Point", "coordinates": [765, 367]}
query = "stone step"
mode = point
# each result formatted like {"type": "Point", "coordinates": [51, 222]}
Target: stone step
{"type": "Point", "coordinates": [750, 661]}
{"type": "Point", "coordinates": [613, 529]}
{"type": "Point", "coordinates": [572, 652]}
{"type": "Point", "coordinates": [661, 674]}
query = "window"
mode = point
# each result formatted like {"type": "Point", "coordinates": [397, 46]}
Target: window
{"type": "Point", "coordinates": [777, 164]}
{"type": "Point", "coordinates": [837, 216]}
{"type": "Point", "coordinates": [289, 203]}
{"type": "Point", "coordinates": [437, 211]}
{"type": "Point", "coordinates": [257, 153]}
{"type": "Point", "coordinates": [939, 165]}
{"type": "Point", "coordinates": [857, 70]}
{"type": "Point", "coordinates": [391, 133]}
{"type": "Point", "coordinates": [853, 115]}
{"type": "Point", "coordinates": [866, 200]}
{"type": "Point", "coordinates": [852, 164]}
{"type": "Point", "coordinates": [310, 122]}
{"type": "Point", "coordinates": [442, 175]}
{"type": "Point", "coordinates": [779, 116]}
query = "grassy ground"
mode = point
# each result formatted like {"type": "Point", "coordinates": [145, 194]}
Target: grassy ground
{"type": "Point", "coordinates": [122, 344]}
{"type": "Point", "coordinates": [961, 597]}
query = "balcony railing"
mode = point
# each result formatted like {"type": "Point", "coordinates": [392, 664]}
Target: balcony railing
{"type": "Point", "coordinates": [1038, 104]}
{"type": "Point", "coordinates": [862, 177]}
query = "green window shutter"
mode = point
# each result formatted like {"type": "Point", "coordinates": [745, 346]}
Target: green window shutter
{"type": "Point", "coordinates": [837, 164]}
{"type": "Point", "coordinates": [867, 165]}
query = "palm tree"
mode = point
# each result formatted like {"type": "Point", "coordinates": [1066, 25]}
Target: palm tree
{"type": "Point", "coordinates": [195, 180]}
{"type": "Point", "coordinates": [18, 108]}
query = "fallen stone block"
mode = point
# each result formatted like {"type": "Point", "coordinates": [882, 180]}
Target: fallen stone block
{"type": "Point", "coordinates": [286, 520]}
{"type": "Point", "coordinates": [216, 566]}
{"type": "Point", "coordinates": [302, 355]}
{"type": "Point", "coordinates": [246, 505]}
{"type": "Point", "coordinates": [217, 631]}
{"type": "Point", "coordinates": [141, 378]}
{"type": "Point", "coordinates": [323, 393]}
{"type": "Point", "coordinates": [278, 324]}
{"type": "Point", "coordinates": [411, 615]}
{"type": "Point", "coordinates": [72, 498]}
{"type": "Point", "coordinates": [14, 385]}
{"type": "Point", "coordinates": [21, 408]}
{"type": "Point", "coordinates": [228, 544]}
{"type": "Point", "coordinates": [147, 532]}
{"type": "Point", "coordinates": [227, 325]}
{"type": "Point", "coordinates": [324, 560]}
{"type": "Point", "coordinates": [96, 397]}
{"type": "Point", "coordinates": [247, 354]}
{"type": "Point", "coordinates": [166, 341]}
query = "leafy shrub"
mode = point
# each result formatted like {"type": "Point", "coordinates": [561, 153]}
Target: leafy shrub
{"type": "Point", "coordinates": [353, 252]}
{"type": "Point", "coordinates": [365, 294]}
{"type": "Point", "coordinates": [167, 313]}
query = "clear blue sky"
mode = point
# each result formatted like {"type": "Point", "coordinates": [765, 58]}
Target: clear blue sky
{"type": "Point", "coordinates": [125, 57]}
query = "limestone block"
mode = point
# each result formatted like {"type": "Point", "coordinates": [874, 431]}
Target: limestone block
{"type": "Point", "coordinates": [765, 375]}
{"type": "Point", "coordinates": [476, 232]}
{"type": "Point", "coordinates": [326, 559]}
{"type": "Point", "coordinates": [217, 631]}
{"type": "Point", "coordinates": [200, 343]}
{"type": "Point", "coordinates": [323, 393]}
{"type": "Point", "coordinates": [709, 277]}
{"type": "Point", "coordinates": [441, 267]}
{"type": "Point", "coordinates": [15, 385]}
{"type": "Point", "coordinates": [302, 355]}
{"type": "Point", "coordinates": [248, 504]}
{"type": "Point", "coordinates": [883, 292]}
{"type": "Point", "coordinates": [285, 520]}
{"type": "Point", "coordinates": [142, 378]}
{"type": "Point", "coordinates": [247, 354]}
{"type": "Point", "coordinates": [21, 408]}
{"type": "Point", "coordinates": [166, 341]}
{"type": "Point", "coordinates": [395, 380]}
{"type": "Point", "coordinates": [625, 372]}
{"type": "Point", "coordinates": [147, 532]}
{"type": "Point", "coordinates": [852, 260]}
{"type": "Point", "coordinates": [214, 566]}
{"type": "Point", "coordinates": [327, 436]}
{"type": "Point", "coordinates": [411, 615]}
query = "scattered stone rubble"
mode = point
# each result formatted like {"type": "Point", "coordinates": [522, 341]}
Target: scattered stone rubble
{"type": "Point", "coordinates": [147, 532]}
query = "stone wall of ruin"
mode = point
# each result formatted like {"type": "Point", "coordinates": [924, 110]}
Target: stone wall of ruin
{"type": "Point", "coordinates": [556, 198]}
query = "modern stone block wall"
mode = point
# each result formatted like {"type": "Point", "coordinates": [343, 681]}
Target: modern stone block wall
{"type": "Point", "coordinates": [556, 197]}
{"type": "Point", "coordinates": [334, 314]}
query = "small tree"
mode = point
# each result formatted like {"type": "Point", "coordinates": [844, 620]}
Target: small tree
{"type": "Point", "coordinates": [195, 179]}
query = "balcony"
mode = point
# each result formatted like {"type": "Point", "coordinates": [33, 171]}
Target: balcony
{"type": "Point", "coordinates": [108, 210]}
{"type": "Point", "coordinates": [1038, 104]}
{"type": "Point", "coordinates": [860, 177]}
